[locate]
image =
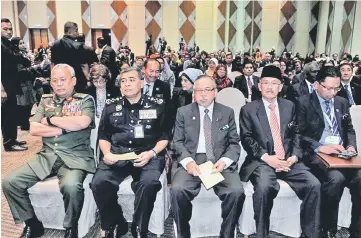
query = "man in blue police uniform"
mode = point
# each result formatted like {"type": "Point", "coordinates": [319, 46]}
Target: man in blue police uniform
{"type": "Point", "coordinates": [134, 123]}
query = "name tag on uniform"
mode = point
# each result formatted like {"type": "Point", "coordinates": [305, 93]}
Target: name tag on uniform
{"type": "Point", "coordinates": [138, 131]}
{"type": "Point", "coordinates": [148, 114]}
{"type": "Point", "coordinates": [332, 140]}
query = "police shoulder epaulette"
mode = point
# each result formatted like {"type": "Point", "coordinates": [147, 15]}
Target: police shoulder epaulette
{"type": "Point", "coordinates": [80, 95]}
{"type": "Point", "coordinates": [113, 100]}
{"type": "Point", "coordinates": [156, 100]}
{"type": "Point", "coordinates": [48, 95]}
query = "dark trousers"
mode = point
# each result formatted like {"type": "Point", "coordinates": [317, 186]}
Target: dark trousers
{"type": "Point", "coordinates": [333, 183]}
{"type": "Point", "coordinates": [9, 121]}
{"type": "Point", "coordinates": [145, 185]}
{"type": "Point", "coordinates": [24, 113]}
{"type": "Point", "coordinates": [16, 184]}
{"type": "Point", "coordinates": [266, 188]}
{"type": "Point", "coordinates": [185, 188]}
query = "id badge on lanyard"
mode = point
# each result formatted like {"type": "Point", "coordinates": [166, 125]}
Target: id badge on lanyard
{"type": "Point", "coordinates": [334, 139]}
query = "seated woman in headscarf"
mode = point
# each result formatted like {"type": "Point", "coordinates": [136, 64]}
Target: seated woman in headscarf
{"type": "Point", "coordinates": [220, 77]}
{"type": "Point", "coordinates": [184, 95]}
{"type": "Point", "coordinates": [212, 64]}
{"type": "Point", "coordinates": [99, 75]}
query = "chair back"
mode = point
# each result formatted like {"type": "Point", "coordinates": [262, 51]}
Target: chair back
{"type": "Point", "coordinates": [232, 76]}
{"type": "Point", "coordinates": [355, 112]}
{"type": "Point", "coordinates": [233, 98]}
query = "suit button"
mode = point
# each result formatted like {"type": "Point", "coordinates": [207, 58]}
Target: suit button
{"type": "Point", "coordinates": [130, 142]}
{"type": "Point", "coordinates": [129, 149]}
{"type": "Point", "coordinates": [131, 121]}
{"type": "Point", "coordinates": [131, 130]}
{"type": "Point", "coordinates": [132, 111]}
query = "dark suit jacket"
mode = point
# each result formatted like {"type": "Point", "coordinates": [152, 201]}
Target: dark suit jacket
{"type": "Point", "coordinates": [356, 92]}
{"type": "Point", "coordinates": [298, 78]}
{"type": "Point", "coordinates": [225, 140]}
{"type": "Point", "coordinates": [108, 59]}
{"type": "Point", "coordinates": [296, 90]}
{"type": "Point", "coordinates": [311, 122]}
{"type": "Point", "coordinates": [256, 135]}
{"type": "Point", "coordinates": [241, 84]}
{"type": "Point", "coordinates": [161, 90]}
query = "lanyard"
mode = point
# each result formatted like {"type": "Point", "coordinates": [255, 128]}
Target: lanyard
{"type": "Point", "coordinates": [329, 122]}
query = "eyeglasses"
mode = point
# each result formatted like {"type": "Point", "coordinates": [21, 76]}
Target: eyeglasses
{"type": "Point", "coordinates": [99, 80]}
{"type": "Point", "coordinates": [206, 90]}
{"type": "Point", "coordinates": [273, 84]}
{"type": "Point", "coordinates": [331, 89]}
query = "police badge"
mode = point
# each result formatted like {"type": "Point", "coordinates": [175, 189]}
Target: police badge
{"type": "Point", "coordinates": [118, 108]}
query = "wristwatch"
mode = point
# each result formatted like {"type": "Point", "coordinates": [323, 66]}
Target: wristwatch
{"type": "Point", "coordinates": [154, 153]}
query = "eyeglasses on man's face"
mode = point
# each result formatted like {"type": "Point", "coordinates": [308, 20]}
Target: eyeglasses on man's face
{"type": "Point", "coordinates": [330, 88]}
{"type": "Point", "coordinates": [273, 84]}
{"type": "Point", "coordinates": [206, 90]}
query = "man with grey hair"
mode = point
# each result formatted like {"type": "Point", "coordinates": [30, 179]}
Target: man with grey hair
{"type": "Point", "coordinates": [134, 123]}
{"type": "Point", "coordinates": [64, 120]}
{"type": "Point", "coordinates": [302, 83]}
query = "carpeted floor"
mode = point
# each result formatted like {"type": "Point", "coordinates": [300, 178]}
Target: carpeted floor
{"type": "Point", "coordinates": [11, 160]}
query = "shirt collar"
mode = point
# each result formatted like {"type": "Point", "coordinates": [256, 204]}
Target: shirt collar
{"type": "Point", "coordinates": [308, 83]}
{"type": "Point", "coordinates": [343, 84]}
{"type": "Point", "coordinates": [126, 102]}
{"type": "Point", "coordinates": [104, 47]}
{"type": "Point", "coordinates": [210, 108]}
{"type": "Point", "coordinates": [322, 101]}
{"type": "Point", "coordinates": [267, 103]}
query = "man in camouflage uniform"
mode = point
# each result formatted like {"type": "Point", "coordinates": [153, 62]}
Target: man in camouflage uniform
{"type": "Point", "coordinates": [132, 123]}
{"type": "Point", "coordinates": [64, 120]}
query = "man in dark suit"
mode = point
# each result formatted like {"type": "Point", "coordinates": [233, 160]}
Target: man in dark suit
{"type": "Point", "coordinates": [247, 82]}
{"type": "Point", "coordinates": [10, 87]}
{"type": "Point", "coordinates": [267, 60]}
{"type": "Point", "coordinates": [107, 58]}
{"type": "Point", "coordinates": [206, 131]}
{"type": "Point", "coordinates": [153, 86]}
{"type": "Point", "coordinates": [68, 51]}
{"type": "Point", "coordinates": [325, 126]}
{"type": "Point", "coordinates": [269, 135]}
{"type": "Point", "coordinates": [305, 86]}
{"type": "Point", "coordinates": [350, 89]}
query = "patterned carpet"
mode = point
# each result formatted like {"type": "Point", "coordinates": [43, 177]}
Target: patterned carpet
{"type": "Point", "coordinates": [12, 160]}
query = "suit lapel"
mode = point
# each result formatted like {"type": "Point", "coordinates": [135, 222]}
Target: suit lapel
{"type": "Point", "coordinates": [262, 116]}
{"type": "Point", "coordinates": [195, 121]}
{"type": "Point", "coordinates": [216, 118]}
{"type": "Point", "coordinates": [304, 88]}
{"type": "Point", "coordinates": [316, 105]}
{"type": "Point", "coordinates": [155, 86]}
{"type": "Point", "coordinates": [338, 115]}
{"type": "Point", "coordinates": [283, 117]}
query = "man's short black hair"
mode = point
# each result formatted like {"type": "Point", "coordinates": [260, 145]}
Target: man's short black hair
{"type": "Point", "coordinates": [69, 27]}
{"type": "Point", "coordinates": [6, 20]}
{"type": "Point", "coordinates": [101, 40]}
{"type": "Point", "coordinates": [247, 62]}
{"type": "Point", "coordinates": [327, 71]}
{"type": "Point", "coordinates": [151, 60]}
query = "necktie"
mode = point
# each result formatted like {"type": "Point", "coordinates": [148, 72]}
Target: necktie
{"type": "Point", "coordinates": [147, 89]}
{"type": "Point", "coordinates": [349, 95]}
{"type": "Point", "coordinates": [276, 134]}
{"type": "Point", "coordinates": [249, 82]}
{"type": "Point", "coordinates": [207, 127]}
{"type": "Point", "coordinates": [312, 88]}
{"type": "Point", "coordinates": [334, 127]}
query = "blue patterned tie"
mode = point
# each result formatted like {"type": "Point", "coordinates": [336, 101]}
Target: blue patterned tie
{"type": "Point", "coordinates": [207, 127]}
{"type": "Point", "coordinates": [333, 121]}
{"type": "Point", "coordinates": [147, 90]}
{"type": "Point", "coordinates": [349, 96]}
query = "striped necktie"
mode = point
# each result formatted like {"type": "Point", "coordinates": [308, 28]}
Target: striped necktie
{"type": "Point", "coordinates": [349, 95]}
{"type": "Point", "coordinates": [207, 127]}
{"type": "Point", "coordinates": [334, 128]}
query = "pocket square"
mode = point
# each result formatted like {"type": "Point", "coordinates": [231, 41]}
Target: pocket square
{"type": "Point", "coordinates": [345, 116]}
{"type": "Point", "coordinates": [225, 127]}
{"type": "Point", "coordinates": [291, 124]}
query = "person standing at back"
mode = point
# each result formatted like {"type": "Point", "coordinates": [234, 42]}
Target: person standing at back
{"type": "Point", "coordinates": [68, 51]}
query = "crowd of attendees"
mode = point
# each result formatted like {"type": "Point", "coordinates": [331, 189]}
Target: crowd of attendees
{"type": "Point", "coordinates": [168, 77]}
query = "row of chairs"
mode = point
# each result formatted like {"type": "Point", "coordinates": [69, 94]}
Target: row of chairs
{"type": "Point", "coordinates": [285, 218]}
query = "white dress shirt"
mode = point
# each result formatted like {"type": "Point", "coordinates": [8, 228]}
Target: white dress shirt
{"type": "Point", "coordinates": [151, 86]}
{"type": "Point", "coordinates": [202, 141]}
{"type": "Point", "coordinates": [268, 112]}
{"type": "Point", "coordinates": [309, 86]}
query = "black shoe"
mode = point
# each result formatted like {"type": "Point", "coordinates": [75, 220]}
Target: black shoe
{"type": "Point", "coordinates": [71, 232]}
{"type": "Point", "coordinates": [32, 232]}
{"type": "Point", "coordinates": [136, 233]}
{"type": "Point", "coordinates": [117, 231]}
{"type": "Point", "coordinates": [20, 142]}
{"type": "Point", "coordinates": [15, 148]}
{"type": "Point", "coordinates": [329, 234]}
